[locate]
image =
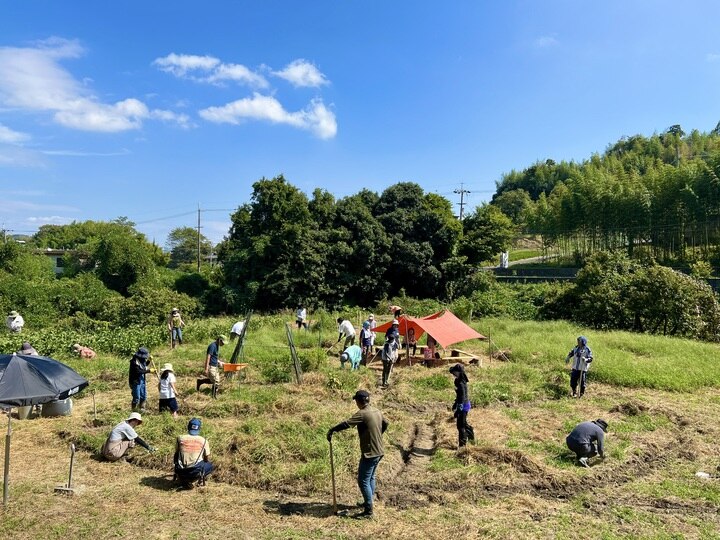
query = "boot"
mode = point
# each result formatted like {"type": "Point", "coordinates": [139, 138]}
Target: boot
{"type": "Point", "coordinates": [214, 391]}
{"type": "Point", "coordinates": [134, 405]}
{"type": "Point", "coordinates": [200, 382]}
{"type": "Point", "coordinates": [141, 406]}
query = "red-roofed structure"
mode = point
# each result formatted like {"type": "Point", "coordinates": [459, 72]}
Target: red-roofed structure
{"type": "Point", "coordinates": [444, 326]}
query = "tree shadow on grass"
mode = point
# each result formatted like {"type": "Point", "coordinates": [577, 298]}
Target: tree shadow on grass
{"type": "Point", "coordinates": [305, 508]}
{"type": "Point", "coordinates": [161, 483]}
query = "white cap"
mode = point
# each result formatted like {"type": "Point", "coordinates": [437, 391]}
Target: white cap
{"type": "Point", "coordinates": [134, 416]}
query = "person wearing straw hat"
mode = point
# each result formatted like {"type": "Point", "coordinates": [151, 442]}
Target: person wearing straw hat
{"type": "Point", "coordinates": [213, 366]}
{"type": "Point", "coordinates": [175, 325]}
{"type": "Point", "coordinates": [192, 456]}
{"type": "Point", "coordinates": [14, 322]}
{"type": "Point", "coordinates": [167, 390]}
{"type": "Point", "coordinates": [123, 437]}
{"type": "Point", "coordinates": [587, 440]}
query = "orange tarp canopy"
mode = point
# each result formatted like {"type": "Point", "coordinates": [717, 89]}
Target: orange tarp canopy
{"type": "Point", "coordinates": [444, 326]}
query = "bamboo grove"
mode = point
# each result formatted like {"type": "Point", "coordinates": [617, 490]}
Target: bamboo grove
{"type": "Point", "coordinates": [655, 196]}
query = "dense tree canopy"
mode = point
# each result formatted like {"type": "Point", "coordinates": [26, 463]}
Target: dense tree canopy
{"type": "Point", "coordinates": [284, 249]}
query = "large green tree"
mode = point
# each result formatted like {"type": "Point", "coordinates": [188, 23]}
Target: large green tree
{"type": "Point", "coordinates": [182, 243]}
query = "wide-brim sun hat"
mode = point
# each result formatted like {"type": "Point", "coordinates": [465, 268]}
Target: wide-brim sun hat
{"type": "Point", "coordinates": [13, 314]}
{"type": "Point", "coordinates": [134, 416]}
{"type": "Point", "coordinates": [167, 367]}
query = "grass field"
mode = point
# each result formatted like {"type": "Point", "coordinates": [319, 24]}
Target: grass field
{"type": "Point", "coordinates": [661, 397]}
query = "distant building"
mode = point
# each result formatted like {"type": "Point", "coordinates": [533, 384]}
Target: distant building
{"type": "Point", "coordinates": [57, 256]}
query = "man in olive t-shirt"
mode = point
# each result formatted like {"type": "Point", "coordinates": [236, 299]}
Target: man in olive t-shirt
{"type": "Point", "coordinates": [370, 425]}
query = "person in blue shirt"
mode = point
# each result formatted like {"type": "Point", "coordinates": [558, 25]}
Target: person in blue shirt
{"type": "Point", "coordinates": [352, 354]}
{"type": "Point", "coordinates": [213, 366]}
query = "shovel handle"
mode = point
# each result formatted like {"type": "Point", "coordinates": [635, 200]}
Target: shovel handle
{"type": "Point", "coordinates": [332, 472]}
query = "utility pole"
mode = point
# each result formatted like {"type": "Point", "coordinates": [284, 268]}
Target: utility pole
{"type": "Point", "coordinates": [462, 193]}
{"type": "Point", "coordinates": [198, 240]}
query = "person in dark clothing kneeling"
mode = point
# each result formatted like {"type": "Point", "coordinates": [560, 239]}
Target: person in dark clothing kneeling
{"type": "Point", "coordinates": [587, 440]}
{"type": "Point", "coordinates": [461, 407]}
{"type": "Point", "coordinates": [370, 425]}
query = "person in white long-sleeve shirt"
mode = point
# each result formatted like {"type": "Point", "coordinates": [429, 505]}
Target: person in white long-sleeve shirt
{"type": "Point", "coordinates": [345, 328]}
{"type": "Point", "coordinates": [14, 322]}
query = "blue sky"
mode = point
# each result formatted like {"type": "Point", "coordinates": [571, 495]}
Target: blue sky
{"type": "Point", "coordinates": [149, 109]}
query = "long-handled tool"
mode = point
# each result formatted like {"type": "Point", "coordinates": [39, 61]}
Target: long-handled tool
{"type": "Point", "coordinates": [332, 472]}
{"type": "Point", "coordinates": [332, 347]}
{"type": "Point", "coordinates": [68, 489]}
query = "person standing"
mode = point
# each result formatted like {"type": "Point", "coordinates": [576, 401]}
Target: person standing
{"type": "Point", "coordinates": [366, 339]}
{"type": "Point", "coordinates": [167, 390]}
{"type": "Point", "coordinates": [461, 406]}
{"type": "Point", "coordinates": [212, 366]}
{"type": "Point", "coordinates": [581, 358]}
{"type": "Point", "coordinates": [123, 437]}
{"type": "Point", "coordinates": [175, 326]}
{"type": "Point", "coordinates": [370, 425]}
{"type": "Point", "coordinates": [192, 455]}
{"type": "Point", "coordinates": [136, 378]}
{"type": "Point", "coordinates": [14, 322]}
{"type": "Point", "coordinates": [301, 317]}
{"type": "Point", "coordinates": [373, 325]}
{"type": "Point", "coordinates": [411, 342]}
{"type": "Point", "coordinates": [587, 440]}
{"type": "Point", "coordinates": [390, 352]}
{"type": "Point", "coordinates": [345, 328]}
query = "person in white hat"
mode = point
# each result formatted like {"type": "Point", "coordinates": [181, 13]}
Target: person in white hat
{"type": "Point", "coordinates": [14, 322]}
{"type": "Point", "coordinates": [167, 390]}
{"type": "Point", "coordinates": [175, 325]}
{"type": "Point", "coordinates": [123, 437]}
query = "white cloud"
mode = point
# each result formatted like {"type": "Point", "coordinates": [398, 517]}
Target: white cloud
{"type": "Point", "coordinates": [10, 136]}
{"type": "Point", "coordinates": [712, 57]}
{"type": "Point", "coordinates": [208, 69]}
{"type": "Point", "coordinates": [48, 220]}
{"type": "Point", "coordinates": [180, 64]}
{"type": "Point", "coordinates": [302, 73]}
{"type": "Point", "coordinates": [544, 42]}
{"type": "Point", "coordinates": [16, 156]}
{"type": "Point", "coordinates": [315, 118]}
{"type": "Point", "coordinates": [32, 79]}
{"type": "Point", "coordinates": [80, 153]}
{"type": "Point", "coordinates": [24, 206]}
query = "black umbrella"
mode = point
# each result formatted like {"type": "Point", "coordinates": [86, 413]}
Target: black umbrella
{"type": "Point", "coordinates": [32, 380]}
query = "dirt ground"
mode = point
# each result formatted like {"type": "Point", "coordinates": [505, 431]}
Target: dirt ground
{"type": "Point", "coordinates": [516, 481]}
